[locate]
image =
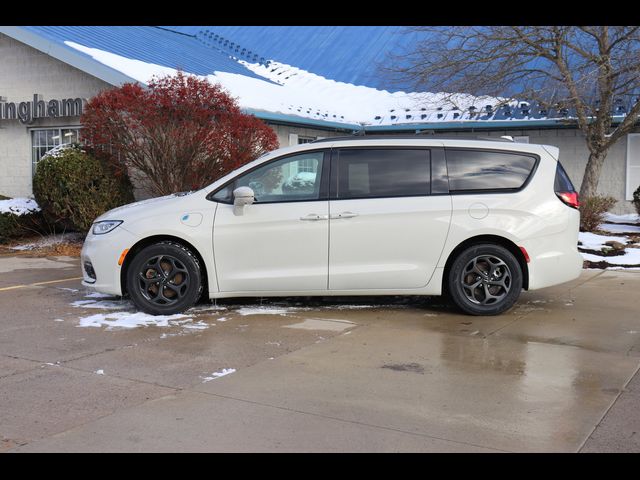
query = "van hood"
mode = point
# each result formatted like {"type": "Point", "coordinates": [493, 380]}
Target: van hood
{"type": "Point", "coordinates": [133, 208]}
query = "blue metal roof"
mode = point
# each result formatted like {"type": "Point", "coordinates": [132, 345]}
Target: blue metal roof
{"type": "Point", "coordinates": [347, 54]}
{"type": "Point", "coordinates": [147, 44]}
{"type": "Point", "coordinates": [350, 54]}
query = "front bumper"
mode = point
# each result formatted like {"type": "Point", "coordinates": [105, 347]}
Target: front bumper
{"type": "Point", "coordinates": [102, 253]}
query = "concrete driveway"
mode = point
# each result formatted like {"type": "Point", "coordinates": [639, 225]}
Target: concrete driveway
{"type": "Point", "coordinates": [348, 374]}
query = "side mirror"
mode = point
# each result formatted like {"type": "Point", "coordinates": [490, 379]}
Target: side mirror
{"type": "Point", "coordinates": [242, 196]}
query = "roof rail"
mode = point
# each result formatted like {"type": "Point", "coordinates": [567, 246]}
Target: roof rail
{"type": "Point", "coordinates": [411, 137]}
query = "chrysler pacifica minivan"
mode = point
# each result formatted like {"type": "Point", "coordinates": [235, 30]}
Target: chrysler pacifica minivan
{"type": "Point", "coordinates": [476, 220]}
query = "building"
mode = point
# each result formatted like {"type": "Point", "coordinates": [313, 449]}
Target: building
{"type": "Point", "coordinates": [305, 82]}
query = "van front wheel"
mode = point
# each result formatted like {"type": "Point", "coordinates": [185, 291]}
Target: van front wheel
{"type": "Point", "coordinates": [164, 279]}
{"type": "Point", "coordinates": [485, 279]}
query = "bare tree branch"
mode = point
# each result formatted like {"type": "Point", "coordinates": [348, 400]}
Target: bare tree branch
{"type": "Point", "coordinates": [588, 70]}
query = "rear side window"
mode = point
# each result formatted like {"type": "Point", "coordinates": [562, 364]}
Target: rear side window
{"type": "Point", "coordinates": [373, 173]}
{"type": "Point", "coordinates": [481, 170]}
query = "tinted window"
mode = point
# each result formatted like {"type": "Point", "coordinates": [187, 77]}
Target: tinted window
{"type": "Point", "coordinates": [478, 170]}
{"type": "Point", "coordinates": [562, 182]}
{"type": "Point", "coordinates": [290, 179]}
{"type": "Point", "coordinates": [367, 173]}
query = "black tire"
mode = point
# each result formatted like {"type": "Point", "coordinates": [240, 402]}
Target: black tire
{"type": "Point", "coordinates": [173, 290]}
{"type": "Point", "coordinates": [484, 279]}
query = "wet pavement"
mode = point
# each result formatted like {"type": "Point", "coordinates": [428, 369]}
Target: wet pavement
{"type": "Point", "coordinates": [317, 374]}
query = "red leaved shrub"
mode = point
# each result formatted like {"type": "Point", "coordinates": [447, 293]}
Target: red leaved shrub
{"type": "Point", "coordinates": [180, 133]}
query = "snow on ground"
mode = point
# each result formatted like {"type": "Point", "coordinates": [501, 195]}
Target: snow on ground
{"type": "Point", "coordinates": [97, 295]}
{"type": "Point", "coordinates": [199, 325]}
{"type": "Point", "coordinates": [101, 304]}
{"type": "Point", "coordinates": [115, 320]}
{"type": "Point", "coordinates": [266, 310]}
{"type": "Point", "coordinates": [121, 313]}
{"type": "Point", "coordinates": [298, 92]}
{"type": "Point", "coordinates": [50, 241]}
{"type": "Point", "coordinates": [631, 257]}
{"type": "Point", "coordinates": [19, 206]}
{"type": "Point", "coordinates": [593, 241]}
{"type": "Point", "coordinates": [626, 218]}
{"type": "Point", "coordinates": [214, 375]}
{"type": "Point", "coordinates": [619, 228]}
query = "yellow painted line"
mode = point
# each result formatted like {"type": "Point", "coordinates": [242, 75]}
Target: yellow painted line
{"type": "Point", "coordinates": [13, 287]}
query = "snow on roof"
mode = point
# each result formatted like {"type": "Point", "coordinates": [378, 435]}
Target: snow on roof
{"type": "Point", "coordinates": [290, 90]}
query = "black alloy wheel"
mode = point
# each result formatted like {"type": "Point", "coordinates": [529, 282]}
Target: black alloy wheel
{"type": "Point", "coordinates": [164, 279]}
{"type": "Point", "coordinates": [485, 279]}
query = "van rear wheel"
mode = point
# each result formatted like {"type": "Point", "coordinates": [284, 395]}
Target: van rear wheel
{"type": "Point", "coordinates": [485, 279]}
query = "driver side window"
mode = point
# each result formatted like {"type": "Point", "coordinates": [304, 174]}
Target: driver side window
{"type": "Point", "coordinates": [290, 179]}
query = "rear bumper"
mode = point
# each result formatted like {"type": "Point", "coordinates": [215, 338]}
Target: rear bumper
{"type": "Point", "coordinates": [552, 262]}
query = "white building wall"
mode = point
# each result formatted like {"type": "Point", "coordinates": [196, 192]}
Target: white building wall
{"type": "Point", "coordinates": [284, 132]}
{"type": "Point", "coordinates": [25, 72]}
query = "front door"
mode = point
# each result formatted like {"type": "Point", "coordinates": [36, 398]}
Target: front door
{"type": "Point", "coordinates": [386, 229]}
{"type": "Point", "coordinates": [280, 242]}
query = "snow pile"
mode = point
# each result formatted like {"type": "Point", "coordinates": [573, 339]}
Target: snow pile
{"type": "Point", "coordinates": [626, 218]}
{"type": "Point", "coordinates": [214, 375]}
{"type": "Point", "coordinates": [630, 257]}
{"type": "Point", "coordinates": [302, 93]}
{"type": "Point", "coordinates": [19, 206]}
{"type": "Point", "coordinates": [620, 228]}
{"type": "Point", "coordinates": [593, 241]}
{"type": "Point", "coordinates": [115, 320]}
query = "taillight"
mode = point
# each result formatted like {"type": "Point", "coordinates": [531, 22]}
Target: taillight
{"type": "Point", "coordinates": [569, 198]}
{"type": "Point", "coordinates": [564, 188]}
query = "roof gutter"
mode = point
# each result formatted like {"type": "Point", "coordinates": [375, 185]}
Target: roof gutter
{"type": "Point", "coordinates": [286, 119]}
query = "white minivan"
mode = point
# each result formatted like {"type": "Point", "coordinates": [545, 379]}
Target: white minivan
{"type": "Point", "coordinates": [477, 220]}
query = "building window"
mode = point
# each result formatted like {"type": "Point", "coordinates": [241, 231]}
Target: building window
{"type": "Point", "coordinates": [43, 140]}
{"type": "Point", "coordinates": [303, 166]}
{"type": "Point", "coordinates": [633, 164]}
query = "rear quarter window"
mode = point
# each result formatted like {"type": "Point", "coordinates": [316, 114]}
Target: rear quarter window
{"type": "Point", "coordinates": [562, 181]}
{"type": "Point", "coordinates": [474, 170]}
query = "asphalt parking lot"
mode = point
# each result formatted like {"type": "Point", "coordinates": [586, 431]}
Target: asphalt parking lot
{"type": "Point", "coordinates": [554, 374]}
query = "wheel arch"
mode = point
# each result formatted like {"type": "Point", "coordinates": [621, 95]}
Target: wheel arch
{"type": "Point", "coordinates": [495, 239]}
{"type": "Point", "coordinates": [145, 242]}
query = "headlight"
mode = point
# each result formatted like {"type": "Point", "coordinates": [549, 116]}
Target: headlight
{"type": "Point", "coordinates": [100, 228]}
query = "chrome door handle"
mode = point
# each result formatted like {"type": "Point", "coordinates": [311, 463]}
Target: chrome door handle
{"type": "Point", "coordinates": [343, 215]}
{"type": "Point", "coordinates": [314, 217]}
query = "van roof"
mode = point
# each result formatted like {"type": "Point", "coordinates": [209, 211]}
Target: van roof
{"type": "Point", "coordinates": [411, 137]}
